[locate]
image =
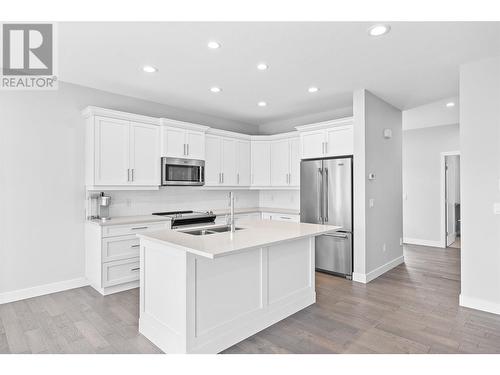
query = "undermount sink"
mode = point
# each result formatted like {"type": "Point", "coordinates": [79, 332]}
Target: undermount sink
{"type": "Point", "coordinates": [204, 232]}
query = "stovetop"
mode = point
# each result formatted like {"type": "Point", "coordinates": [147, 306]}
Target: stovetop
{"type": "Point", "coordinates": [184, 218]}
{"type": "Point", "coordinates": [184, 214]}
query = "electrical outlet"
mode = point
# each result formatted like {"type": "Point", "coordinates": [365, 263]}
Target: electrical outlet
{"type": "Point", "coordinates": [384, 248]}
{"type": "Point", "coordinates": [371, 202]}
{"type": "Point", "coordinates": [496, 208]}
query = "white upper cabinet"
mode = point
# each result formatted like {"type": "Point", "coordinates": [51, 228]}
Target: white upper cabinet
{"type": "Point", "coordinates": [144, 154]}
{"type": "Point", "coordinates": [326, 139]}
{"type": "Point", "coordinates": [111, 150]}
{"type": "Point", "coordinates": [242, 163]}
{"type": "Point", "coordinates": [122, 150]}
{"type": "Point", "coordinates": [261, 163]}
{"type": "Point", "coordinates": [182, 140]}
{"type": "Point", "coordinates": [227, 161]}
{"type": "Point", "coordinates": [285, 162]}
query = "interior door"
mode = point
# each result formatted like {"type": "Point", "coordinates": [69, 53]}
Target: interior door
{"type": "Point", "coordinates": [243, 163]}
{"type": "Point", "coordinates": [338, 193]}
{"type": "Point", "coordinates": [213, 160]}
{"type": "Point", "coordinates": [196, 145]}
{"type": "Point", "coordinates": [145, 162]}
{"type": "Point", "coordinates": [451, 193]}
{"type": "Point", "coordinates": [228, 162]}
{"type": "Point", "coordinates": [311, 191]}
{"type": "Point", "coordinates": [280, 162]}
{"type": "Point", "coordinates": [111, 151]}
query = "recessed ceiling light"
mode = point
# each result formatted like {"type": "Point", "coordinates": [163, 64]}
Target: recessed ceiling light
{"type": "Point", "coordinates": [262, 66]}
{"type": "Point", "coordinates": [313, 89]}
{"type": "Point", "coordinates": [378, 30]}
{"type": "Point", "coordinates": [213, 44]}
{"type": "Point", "coordinates": [261, 104]}
{"type": "Point", "coordinates": [149, 69]}
{"type": "Point", "coordinates": [450, 104]}
{"type": "Point", "coordinates": [215, 89]}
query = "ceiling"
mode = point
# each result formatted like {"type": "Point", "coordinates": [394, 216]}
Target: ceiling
{"type": "Point", "coordinates": [414, 64]}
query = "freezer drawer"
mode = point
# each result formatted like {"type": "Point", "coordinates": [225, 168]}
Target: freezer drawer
{"type": "Point", "coordinates": [334, 253]}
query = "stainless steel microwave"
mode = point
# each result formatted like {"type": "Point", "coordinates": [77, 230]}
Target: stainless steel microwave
{"type": "Point", "coordinates": [176, 171]}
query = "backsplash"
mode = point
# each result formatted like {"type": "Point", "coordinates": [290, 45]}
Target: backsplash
{"type": "Point", "coordinates": [125, 203]}
{"type": "Point", "coordinates": [280, 199]}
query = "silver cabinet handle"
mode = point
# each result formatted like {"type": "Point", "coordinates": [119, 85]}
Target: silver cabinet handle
{"type": "Point", "coordinates": [187, 147]}
{"type": "Point", "coordinates": [322, 147]}
{"type": "Point", "coordinates": [285, 218]}
{"type": "Point", "coordinates": [320, 194]}
{"type": "Point", "coordinates": [134, 246]}
{"type": "Point", "coordinates": [135, 269]}
{"type": "Point", "coordinates": [326, 147]}
{"type": "Point", "coordinates": [128, 175]}
{"type": "Point", "coordinates": [133, 169]}
{"type": "Point", "coordinates": [139, 228]}
{"type": "Point", "coordinates": [326, 195]}
{"type": "Point", "coordinates": [238, 178]}
{"type": "Point", "coordinates": [222, 177]}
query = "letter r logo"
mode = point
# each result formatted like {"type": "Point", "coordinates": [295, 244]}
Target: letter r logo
{"type": "Point", "coordinates": [27, 49]}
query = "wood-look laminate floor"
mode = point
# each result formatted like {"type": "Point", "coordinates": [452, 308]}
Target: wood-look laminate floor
{"type": "Point", "coordinates": [411, 309]}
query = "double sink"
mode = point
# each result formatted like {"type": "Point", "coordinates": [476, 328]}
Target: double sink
{"type": "Point", "coordinates": [206, 231]}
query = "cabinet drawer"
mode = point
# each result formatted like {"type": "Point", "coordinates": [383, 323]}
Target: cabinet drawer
{"type": "Point", "coordinates": [122, 230]}
{"type": "Point", "coordinates": [120, 272]}
{"type": "Point", "coordinates": [123, 247]}
{"type": "Point", "coordinates": [282, 217]}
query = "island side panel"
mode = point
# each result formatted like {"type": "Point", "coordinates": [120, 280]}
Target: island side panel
{"type": "Point", "coordinates": [163, 296]}
{"type": "Point", "coordinates": [233, 297]}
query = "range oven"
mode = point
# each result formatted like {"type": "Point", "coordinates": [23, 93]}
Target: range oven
{"type": "Point", "coordinates": [176, 171]}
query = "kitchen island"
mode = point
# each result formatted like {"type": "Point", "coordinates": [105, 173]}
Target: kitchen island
{"type": "Point", "coordinates": [204, 292]}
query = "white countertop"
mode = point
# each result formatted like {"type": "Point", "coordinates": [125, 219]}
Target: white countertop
{"type": "Point", "coordinates": [256, 233]}
{"type": "Point", "coordinates": [122, 220]}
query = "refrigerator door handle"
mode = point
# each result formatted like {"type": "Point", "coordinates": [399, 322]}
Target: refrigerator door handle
{"type": "Point", "coordinates": [325, 214]}
{"type": "Point", "coordinates": [320, 194]}
{"type": "Point", "coordinates": [343, 236]}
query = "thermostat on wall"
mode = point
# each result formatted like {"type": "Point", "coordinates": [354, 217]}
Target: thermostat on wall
{"type": "Point", "coordinates": [387, 133]}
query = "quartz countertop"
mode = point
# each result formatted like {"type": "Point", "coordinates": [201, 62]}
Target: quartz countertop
{"type": "Point", "coordinates": [255, 233]}
{"type": "Point", "coordinates": [122, 220]}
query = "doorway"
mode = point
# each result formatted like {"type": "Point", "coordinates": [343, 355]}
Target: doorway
{"type": "Point", "coordinates": [451, 199]}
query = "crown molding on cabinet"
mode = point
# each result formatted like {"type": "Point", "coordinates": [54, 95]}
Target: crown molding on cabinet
{"type": "Point", "coordinates": [183, 125]}
{"type": "Point", "coordinates": [105, 112]}
{"type": "Point", "coordinates": [275, 137]}
{"type": "Point", "coordinates": [228, 134]}
{"type": "Point", "coordinates": [326, 124]}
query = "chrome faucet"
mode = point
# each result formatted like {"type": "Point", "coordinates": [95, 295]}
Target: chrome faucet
{"type": "Point", "coordinates": [231, 212]}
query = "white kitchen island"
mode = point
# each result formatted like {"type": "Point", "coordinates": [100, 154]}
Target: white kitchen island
{"type": "Point", "coordinates": [205, 293]}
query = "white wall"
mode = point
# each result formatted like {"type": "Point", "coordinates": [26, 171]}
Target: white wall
{"type": "Point", "coordinates": [125, 203]}
{"type": "Point", "coordinates": [42, 179]}
{"type": "Point", "coordinates": [480, 178]}
{"type": "Point", "coordinates": [432, 114]}
{"type": "Point", "coordinates": [289, 199]}
{"type": "Point", "coordinates": [283, 126]}
{"type": "Point", "coordinates": [382, 224]}
{"type": "Point", "coordinates": [422, 150]}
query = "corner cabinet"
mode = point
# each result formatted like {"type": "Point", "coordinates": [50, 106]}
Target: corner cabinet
{"type": "Point", "coordinates": [182, 139]}
{"type": "Point", "coordinates": [122, 150]}
{"type": "Point", "coordinates": [227, 161]}
{"type": "Point", "coordinates": [327, 139]}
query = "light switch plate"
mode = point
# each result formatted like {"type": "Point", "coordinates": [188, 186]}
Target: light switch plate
{"type": "Point", "coordinates": [371, 202]}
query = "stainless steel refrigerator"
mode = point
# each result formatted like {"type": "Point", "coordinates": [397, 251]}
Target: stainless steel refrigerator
{"type": "Point", "coordinates": [326, 198]}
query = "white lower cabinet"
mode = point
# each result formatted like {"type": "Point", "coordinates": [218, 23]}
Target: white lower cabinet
{"type": "Point", "coordinates": [112, 255]}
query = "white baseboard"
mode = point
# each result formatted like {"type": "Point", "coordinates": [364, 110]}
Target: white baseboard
{"type": "Point", "coordinates": [41, 290]}
{"type": "Point", "coordinates": [418, 241]}
{"type": "Point", "coordinates": [367, 277]}
{"type": "Point", "coordinates": [479, 304]}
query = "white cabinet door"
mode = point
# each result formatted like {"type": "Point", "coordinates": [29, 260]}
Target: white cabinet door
{"type": "Point", "coordinates": [173, 142]}
{"type": "Point", "coordinates": [228, 162]}
{"type": "Point", "coordinates": [280, 162]}
{"type": "Point", "coordinates": [340, 141]}
{"type": "Point", "coordinates": [261, 164]}
{"type": "Point", "coordinates": [195, 145]}
{"type": "Point", "coordinates": [213, 160]}
{"type": "Point", "coordinates": [243, 163]}
{"type": "Point", "coordinates": [144, 154]}
{"type": "Point", "coordinates": [312, 144]}
{"type": "Point", "coordinates": [111, 151]}
{"type": "Point", "coordinates": [294, 179]}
